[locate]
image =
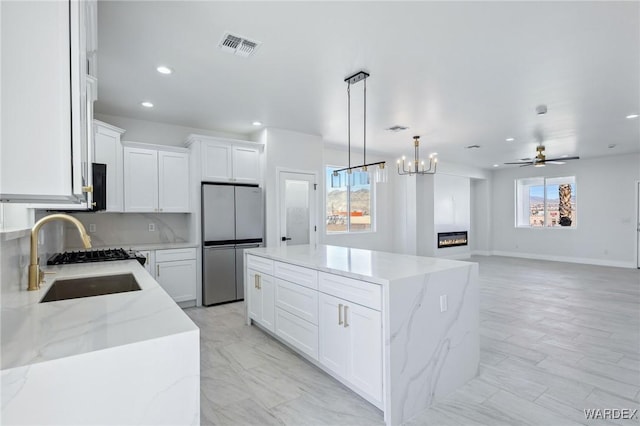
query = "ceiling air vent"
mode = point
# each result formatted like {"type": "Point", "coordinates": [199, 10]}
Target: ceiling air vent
{"type": "Point", "coordinates": [238, 45]}
{"type": "Point", "coordinates": [397, 128]}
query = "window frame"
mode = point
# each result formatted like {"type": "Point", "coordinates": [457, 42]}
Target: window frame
{"type": "Point", "coordinates": [522, 204]}
{"type": "Point", "coordinates": [372, 202]}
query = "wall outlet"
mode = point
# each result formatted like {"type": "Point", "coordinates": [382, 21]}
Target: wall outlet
{"type": "Point", "coordinates": [443, 303]}
{"type": "Point", "coordinates": [152, 227]}
{"type": "Point", "coordinates": [92, 227]}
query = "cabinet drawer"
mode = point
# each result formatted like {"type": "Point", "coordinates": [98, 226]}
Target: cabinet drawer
{"type": "Point", "coordinates": [297, 300]}
{"type": "Point", "coordinates": [297, 332]}
{"type": "Point", "coordinates": [297, 274]}
{"type": "Point", "coordinates": [175, 254]}
{"type": "Point", "coordinates": [260, 264]}
{"type": "Point", "coordinates": [360, 292]}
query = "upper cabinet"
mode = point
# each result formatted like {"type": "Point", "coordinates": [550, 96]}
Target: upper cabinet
{"type": "Point", "coordinates": [156, 178]}
{"type": "Point", "coordinates": [227, 160]}
{"type": "Point", "coordinates": [47, 101]}
{"type": "Point", "coordinates": [108, 150]}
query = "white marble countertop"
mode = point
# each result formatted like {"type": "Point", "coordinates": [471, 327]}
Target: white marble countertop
{"type": "Point", "coordinates": [368, 265]}
{"type": "Point", "coordinates": [34, 332]}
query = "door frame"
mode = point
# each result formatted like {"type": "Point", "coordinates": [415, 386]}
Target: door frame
{"type": "Point", "coordinates": [637, 224]}
{"type": "Point", "coordinates": [313, 240]}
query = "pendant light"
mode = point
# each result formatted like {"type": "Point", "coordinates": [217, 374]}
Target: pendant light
{"type": "Point", "coordinates": [416, 167]}
{"type": "Point", "coordinates": [358, 175]}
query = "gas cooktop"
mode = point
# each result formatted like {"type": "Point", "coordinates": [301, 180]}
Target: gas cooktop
{"type": "Point", "coordinates": [94, 256]}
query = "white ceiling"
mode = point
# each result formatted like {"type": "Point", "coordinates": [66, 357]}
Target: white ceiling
{"type": "Point", "coordinates": [456, 73]}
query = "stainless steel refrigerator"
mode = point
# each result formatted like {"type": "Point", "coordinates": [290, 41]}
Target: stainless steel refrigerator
{"type": "Point", "coordinates": [232, 220]}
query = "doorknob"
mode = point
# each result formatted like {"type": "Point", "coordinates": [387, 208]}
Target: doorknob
{"type": "Point", "coordinates": [286, 239]}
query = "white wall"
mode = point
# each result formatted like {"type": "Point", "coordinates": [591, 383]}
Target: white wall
{"type": "Point", "coordinates": [480, 227]}
{"type": "Point", "coordinates": [285, 149]}
{"type": "Point", "coordinates": [606, 208]}
{"type": "Point", "coordinates": [159, 133]}
{"type": "Point", "coordinates": [452, 211]}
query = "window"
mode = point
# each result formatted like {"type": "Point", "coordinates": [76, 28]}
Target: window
{"type": "Point", "coordinates": [546, 202]}
{"type": "Point", "coordinates": [349, 206]}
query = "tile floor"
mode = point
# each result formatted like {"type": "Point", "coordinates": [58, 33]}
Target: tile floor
{"type": "Point", "coordinates": [556, 338]}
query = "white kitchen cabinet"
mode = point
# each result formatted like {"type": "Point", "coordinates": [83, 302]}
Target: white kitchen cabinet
{"type": "Point", "coordinates": [47, 101]}
{"type": "Point", "coordinates": [150, 262]}
{"type": "Point", "coordinates": [176, 273]}
{"type": "Point", "coordinates": [173, 181]}
{"type": "Point", "coordinates": [155, 180]}
{"type": "Point", "coordinates": [108, 150]}
{"type": "Point", "coordinates": [351, 343]}
{"type": "Point", "coordinates": [227, 160]}
{"type": "Point", "coordinates": [261, 298]}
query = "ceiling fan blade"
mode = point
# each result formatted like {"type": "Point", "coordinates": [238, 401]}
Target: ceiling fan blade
{"type": "Point", "coordinates": [563, 159]}
{"type": "Point", "coordinates": [554, 162]}
{"type": "Point", "coordinates": [526, 163]}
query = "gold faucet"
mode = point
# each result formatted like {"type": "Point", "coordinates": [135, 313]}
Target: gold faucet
{"type": "Point", "coordinates": [36, 276]}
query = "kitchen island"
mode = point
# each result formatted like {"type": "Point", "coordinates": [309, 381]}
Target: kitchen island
{"type": "Point", "coordinates": [399, 330]}
{"type": "Point", "coordinates": [124, 358]}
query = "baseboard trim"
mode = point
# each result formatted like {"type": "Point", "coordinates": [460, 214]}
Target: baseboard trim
{"type": "Point", "coordinates": [568, 259]}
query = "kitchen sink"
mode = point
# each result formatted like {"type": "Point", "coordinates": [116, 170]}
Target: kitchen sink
{"type": "Point", "coordinates": [75, 288]}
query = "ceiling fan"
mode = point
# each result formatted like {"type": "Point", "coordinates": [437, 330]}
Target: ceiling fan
{"type": "Point", "coordinates": [540, 160]}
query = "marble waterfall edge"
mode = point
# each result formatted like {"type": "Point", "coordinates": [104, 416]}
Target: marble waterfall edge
{"type": "Point", "coordinates": [430, 353]}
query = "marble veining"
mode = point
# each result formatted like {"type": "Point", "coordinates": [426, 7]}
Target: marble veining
{"type": "Point", "coordinates": [426, 353]}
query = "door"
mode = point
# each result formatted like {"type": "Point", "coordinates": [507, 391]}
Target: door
{"type": "Point", "coordinates": [173, 178]}
{"type": "Point", "coordinates": [178, 278]}
{"type": "Point", "coordinates": [246, 164]}
{"type": "Point", "coordinates": [334, 338]}
{"type": "Point", "coordinates": [240, 268]}
{"type": "Point", "coordinates": [216, 161]}
{"type": "Point", "coordinates": [297, 208]}
{"type": "Point", "coordinates": [365, 348]}
{"type": "Point", "coordinates": [249, 225]}
{"type": "Point", "coordinates": [218, 213]}
{"type": "Point", "coordinates": [219, 275]}
{"type": "Point", "coordinates": [638, 226]}
{"type": "Point", "coordinates": [140, 180]}
{"type": "Point", "coordinates": [255, 298]}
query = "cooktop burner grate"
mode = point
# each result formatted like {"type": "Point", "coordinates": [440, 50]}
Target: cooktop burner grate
{"type": "Point", "coordinates": [91, 256]}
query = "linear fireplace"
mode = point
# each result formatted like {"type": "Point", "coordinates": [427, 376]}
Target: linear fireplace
{"type": "Point", "coordinates": [452, 239]}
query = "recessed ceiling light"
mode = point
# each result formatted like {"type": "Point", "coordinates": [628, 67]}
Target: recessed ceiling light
{"type": "Point", "coordinates": [164, 70]}
{"type": "Point", "coordinates": [257, 123]}
{"type": "Point", "coordinates": [632, 116]}
{"type": "Point", "coordinates": [496, 165]}
{"type": "Point", "coordinates": [147, 104]}
{"type": "Point", "coordinates": [510, 139]}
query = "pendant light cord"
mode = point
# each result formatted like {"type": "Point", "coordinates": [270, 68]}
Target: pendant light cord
{"type": "Point", "coordinates": [364, 130]}
{"type": "Point", "coordinates": [349, 119]}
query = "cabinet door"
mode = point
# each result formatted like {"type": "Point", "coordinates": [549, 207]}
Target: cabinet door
{"type": "Point", "coordinates": [108, 150]}
{"type": "Point", "coordinates": [36, 161]}
{"type": "Point", "coordinates": [253, 295]}
{"type": "Point", "coordinates": [150, 264]}
{"type": "Point", "coordinates": [178, 278]}
{"type": "Point", "coordinates": [216, 162]}
{"type": "Point", "coordinates": [334, 339]}
{"type": "Point", "coordinates": [173, 181]}
{"type": "Point", "coordinates": [364, 368]}
{"type": "Point", "coordinates": [140, 180]}
{"type": "Point", "coordinates": [268, 293]}
{"type": "Point", "coordinates": [246, 164]}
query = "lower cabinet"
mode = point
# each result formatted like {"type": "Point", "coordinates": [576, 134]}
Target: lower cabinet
{"type": "Point", "coordinates": [332, 319]}
{"type": "Point", "coordinates": [175, 271]}
{"type": "Point", "coordinates": [261, 291]}
{"type": "Point", "coordinates": [351, 343]}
